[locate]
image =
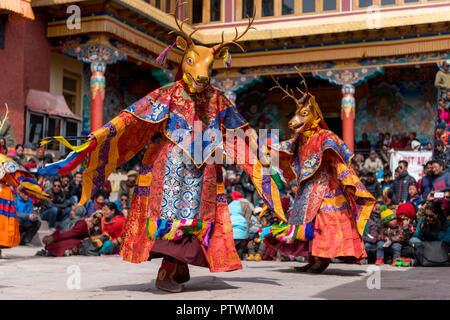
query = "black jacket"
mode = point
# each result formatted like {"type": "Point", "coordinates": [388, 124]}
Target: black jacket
{"type": "Point", "coordinates": [399, 190]}
{"type": "Point", "coordinates": [60, 200]}
{"type": "Point", "coordinates": [374, 188]}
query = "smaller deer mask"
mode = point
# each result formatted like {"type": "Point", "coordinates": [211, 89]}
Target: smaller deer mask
{"type": "Point", "coordinates": [308, 115]}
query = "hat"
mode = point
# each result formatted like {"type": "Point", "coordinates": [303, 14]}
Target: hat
{"type": "Point", "coordinates": [407, 209]}
{"type": "Point", "coordinates": [236, 195]}
{"type": "Point", "coordinates": [441, 125]}
{"type": "Point", "coordinates": [439, 143]}
{"type": "Point", "coordinates": [388, 215]}
{"type": "Point", "coordinates": [415, 145]}
{"type": "Point", "coordinates": [373, 152]}
{"type": "Point", "coordinates": [11, 153]}
{"type": "Point", "coordinates": [132, 173]}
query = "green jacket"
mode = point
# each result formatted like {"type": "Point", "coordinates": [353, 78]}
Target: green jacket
{"type": "Point", "coordinates": [7, 132]}
{"type": "Point", "coordinates": [442, 79]}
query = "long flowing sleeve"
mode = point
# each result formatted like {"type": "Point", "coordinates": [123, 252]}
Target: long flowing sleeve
{"type": "Point", "coordinates": [117, 142]}
{"type": "Point", "coordinates": [248, 160]}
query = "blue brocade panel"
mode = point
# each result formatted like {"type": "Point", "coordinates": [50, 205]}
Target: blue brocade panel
{"type": "Point", "coordinates": [182, 189]}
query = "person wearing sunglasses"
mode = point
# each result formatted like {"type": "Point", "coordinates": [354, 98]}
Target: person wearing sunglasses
{"type": "Point", "coordinates": [58, 209]}
{"type": "Point", "coordinates": [66, 243]}
{"type": "Point", "coordinates": [399, 190]}
{"type": "Point", "coordinates": [432, 226]}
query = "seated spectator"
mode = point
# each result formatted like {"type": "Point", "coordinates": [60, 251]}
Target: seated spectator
{"type": "Point", "coordinates": [3, 145]}
{"type": "Point", "coordinates": [386, 184]}
{"type": "Point", "coordinates": [441, 134]}
{"type": "Point", "coordinates": [429, 146]}
{"type": "Point", "coordinates": [406, 218]}
{"type": "Point", "coordinates": [426, 183]}
{"type": "Point", "coordinates": [71, 220]}
{"type": "Point", "coordinates": [356, 167]}
{"type": "Point", "coordinates": [442, 79]}
{"type": "Point", "coordinates": [387, 139]}
{"type": "Point", "coordinates": [414, 197]}
{"type": "Point", "coordinates": [390, 237]}
{"type": "Point", "coordinates": [433, 226]}
{"type": "Point", "coordinates": [67, 187]}
{"type": "Point", "coordinates": [47, 159]}
{"type": "Point", "coordinates": [57, 209]}
{"type": "Point", "coordinates": [370, 234]}
{"type": "Point", "coordinates": [122, 204]}
{"type": "Point", "coordinates": [77, 185]}
{"type": "Point", "coordinates": [415, 145]}
{"type": "Point", "coordinates": [256, 247]}
{"type": "Point", "coordinates": [442, 153]}
{"type": "Point", "coordinates": [97, 203]}
{"type": "Point", "coordinates": [20, 156]}
{"type": "Point", "coordinates": [29, 223]}
{"type": "Point", "coordinates": [364, 144]}
{"type": "Point", "coordinates": [441, 179]}
{"type": "Point", "coordinates": [38, 158]}
{"type": "Point", "coordinates": [113, 224]}
{"type": "Point", "coordinates": [239, 225]}
{"type": "Point", "coordinates": [384, 154]}
{"type": "Point", "coordinates": [444, 112]}
{"type": "Point", "coordinates": [127, 186]}
{"type": "Point", "coordinates": [380, 142]}
{"type": "Point", "coordinates": [396, 143]}
{"type": "Point", "coordinates": [372, 185]}
{"type": "Point", "coordinates": [373, 163]}
{"type": "Point", "coordinates": [66, 243]}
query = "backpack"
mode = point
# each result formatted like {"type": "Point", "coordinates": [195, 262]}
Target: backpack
{"type": "Point", "coordinates": [431, 253]}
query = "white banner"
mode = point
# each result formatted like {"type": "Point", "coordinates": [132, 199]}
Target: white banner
{"type": "Point", "coordinates": [416, 160]}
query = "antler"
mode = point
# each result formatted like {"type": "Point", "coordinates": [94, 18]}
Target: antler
{"type": "Point", "coordinates": [180, 26]}
{"type": "Point", "coordinates": [237, 36]}
{"type": "Point", "coordinates": [6, 117]}
{"type": "Point", "coordinates": [302, 82]}
{"type": "Point", "coordinates": [286, 91]}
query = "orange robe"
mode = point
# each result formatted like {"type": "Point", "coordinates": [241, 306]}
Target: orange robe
{"type": "Point", "coordinates": [331, 207]}
{"type": "Point", "coordinates": [157, 211]}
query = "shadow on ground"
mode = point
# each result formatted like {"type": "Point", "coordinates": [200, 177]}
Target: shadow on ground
{"type": "Point", "coordinates": [330, 271]}
{"type": "Point", "coordinates": [414, 283]}
{"type": "Point", "coordinates": [205, 283]}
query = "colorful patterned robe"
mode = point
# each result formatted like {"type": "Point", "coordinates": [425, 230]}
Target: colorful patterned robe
{"type": "Point", "coordinates": [331, 207]}
{"type": "Point", "coordinates": [175, 197]}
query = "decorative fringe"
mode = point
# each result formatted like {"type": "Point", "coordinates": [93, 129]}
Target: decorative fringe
{"type": "Point", "coordinates": [20, 7]}
{"type": "Point", "coordinates": [162, 58]}
{"type": "Point", "coordinates": [176, 229]}
{"type": "Point", "coordinates": [290, 233]}
{"type": "Point", "coordinates": [72, 160]}
{"type": "Point", "coordinates": [227, 60]}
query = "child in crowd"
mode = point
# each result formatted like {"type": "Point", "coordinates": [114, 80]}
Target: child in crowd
{"type": "Point", "coordinates": [390, 237]}
{"type": "Point", "coordinates": [406, 218]}
{"type": "Point", "coordinates": [256, 247]}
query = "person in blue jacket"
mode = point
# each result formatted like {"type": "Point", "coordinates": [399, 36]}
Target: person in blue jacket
{"type": "Point", "coordinates": [432, 226]}
{"type": "Point", "coordinates": [239, 225]}
{"type": "Point", "coordinates": [29, 223]}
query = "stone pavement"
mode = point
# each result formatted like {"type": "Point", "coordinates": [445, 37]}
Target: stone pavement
{"type": "Point", "coordinates": [24, 276]}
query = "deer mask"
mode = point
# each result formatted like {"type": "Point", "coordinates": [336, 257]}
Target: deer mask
{"type": "Point", "coordinates": [308, 115]}
{"type": "Point", "coordinates": [198, 60]}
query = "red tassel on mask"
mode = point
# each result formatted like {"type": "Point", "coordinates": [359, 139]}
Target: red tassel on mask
{"type": "Point", "coordinates": [162, 58]}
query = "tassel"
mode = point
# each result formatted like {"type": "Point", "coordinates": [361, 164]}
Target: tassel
{"type": "Point", "coordinates": [162, 58]}
{"type": "Point", "coordinates": [227, 60]}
